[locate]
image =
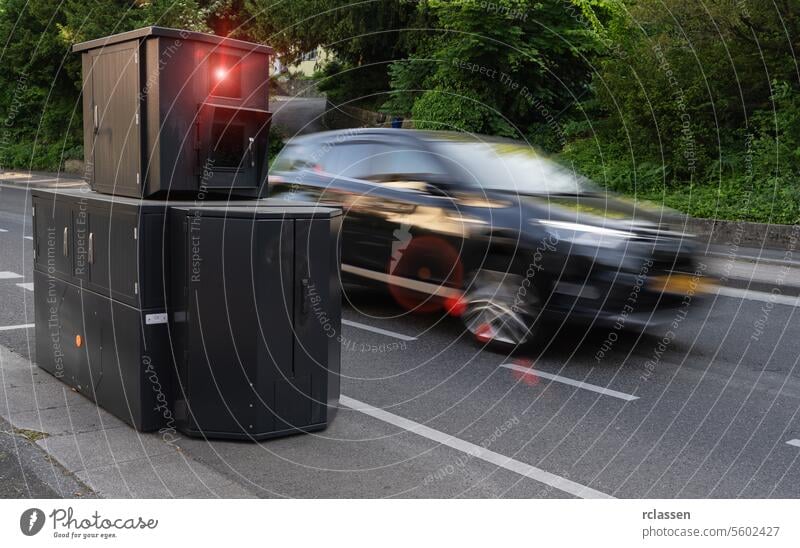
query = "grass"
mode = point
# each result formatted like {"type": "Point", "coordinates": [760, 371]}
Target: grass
{"type": "Point", "coordinates": [30, 435]}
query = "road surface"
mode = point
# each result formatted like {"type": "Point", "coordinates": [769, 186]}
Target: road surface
{"type": "Point", "coordinates": [709, 411]}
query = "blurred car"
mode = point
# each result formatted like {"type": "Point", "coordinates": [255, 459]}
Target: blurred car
{"type": "Point", "coordinates": [490, 230]}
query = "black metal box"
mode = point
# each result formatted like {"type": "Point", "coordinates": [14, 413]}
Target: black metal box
{"type": "Point", "coordinates": [107, 271]}
{"type": "Point", "coordinates": [112, 353]}
{"type": "Point", "coordinates": [170, 112]}
{"type": "Point", "coordinates": [255, 306]}
{"type": "Point", "coordinates": [100, 306]}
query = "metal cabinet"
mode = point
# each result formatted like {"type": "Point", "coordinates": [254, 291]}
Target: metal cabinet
{"type": "Point", "coordinates": [53, 229]}
{"type": "Point", "coordinates": [93, 241]}
{"type": "Point", "coordinates": [113, 255]}
{"type": "Point", "coordinates": [95, 330]}
{"type": "Point", "coordinates": [255, 305]}
{"type": "Point", "coordinates": [105, 350]}
{"type": "Point", "coordinates": [231, 310]}
{"type": "Point", "coordinates": [173, 113]}
{"type": "Point", "coordinates": [113, 87]}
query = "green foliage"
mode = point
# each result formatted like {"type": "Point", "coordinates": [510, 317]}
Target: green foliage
{"type": "Point", "coordinates": [697, 103]}
{"type": "Point", "coordinates": [40, 77]}
{"type": "Point", "coordinates": [496, 67]}
{"type": "Point", "coordinates": [277, 139]}
{"type": "Point", "coordinates": [691, 103]}
{"type": "Point", "coordinates": [363, 86]}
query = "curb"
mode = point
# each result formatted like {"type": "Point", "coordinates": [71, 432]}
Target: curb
{"type": "Point", "coordinates": [39, 179]}
{"type": "Point", "coordinates": [738, 234]}
{"type": "Point", "coordinates": [37, 469]}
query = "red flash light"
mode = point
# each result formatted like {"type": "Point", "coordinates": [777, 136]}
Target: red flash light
{"type": "Point", "coordinates": [221, 73]}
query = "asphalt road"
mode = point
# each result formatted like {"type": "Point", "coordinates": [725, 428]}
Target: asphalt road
{"type": "Point", "coordinates": [428, 413]}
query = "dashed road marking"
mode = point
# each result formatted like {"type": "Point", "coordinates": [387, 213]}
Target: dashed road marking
{"type": "Point", "coordinates": [571, 382]}
{"type": "Point", "coordinates": [28, 286]}
{"type": "Point", "coordinates": [751, 295]}
{"type": "Point", "coordinates": [502, 461]}
{"type": "Point", "coordinates": [796, 443]}
{"type": "Point", "coordinates": [379, 330]}
{"type": "Point", "coordinates": [6, 275]}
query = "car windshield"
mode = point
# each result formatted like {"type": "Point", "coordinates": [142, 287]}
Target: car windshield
{"type": "Point", "coordinates": [512, 167]}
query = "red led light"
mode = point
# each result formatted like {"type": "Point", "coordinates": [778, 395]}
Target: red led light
{"type": "Point", "coordinates": [455, 306]}
{"type": "Point", "coordinates": [220, 73]}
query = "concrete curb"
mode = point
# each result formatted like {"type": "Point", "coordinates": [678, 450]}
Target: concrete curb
{"type": "Point", "coordinates": [33, 179]}
{"type": "Point", "coordinates": [29, 470]}
{"type": "Point", "coordinates": [739, 234]}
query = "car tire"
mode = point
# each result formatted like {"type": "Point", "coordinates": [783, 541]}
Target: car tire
{"type": "Point", "coordinates": [500, 311]}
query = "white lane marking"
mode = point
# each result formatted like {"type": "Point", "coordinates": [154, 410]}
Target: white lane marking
{"type": "Point", "coordinates": [755, 295]}
{"type": "Point", "coordinates": [12, 327]}
{"type": "Point", "coordinates": [399, 281]}
{"type": "Point", "coordinates": [28, 237]}
{"type": "Point", "coordinates": [3, 230]}
{"type": "Point", "coordinates": [571, 382]}
{"type": "Point", "coordinates": [379, 330]}
{"type": "Point", "coordinates": [28, 286]}
{"type": "Point", "coordinates": [796, 443]}
{"type": "Point", "coordinates": [6, 275]}
{"type": "Point", "coordinates": [513, 465]}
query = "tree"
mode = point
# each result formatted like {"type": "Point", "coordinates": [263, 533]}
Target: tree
{"type": "Point", "coordinates": [363, 36]}
{"type": "Point", "coordinates": [40, 77]}
{"type": "Point", "coordinates": [697, 101]}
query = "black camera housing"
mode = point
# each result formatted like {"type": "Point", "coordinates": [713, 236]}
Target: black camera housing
{"type": "Point", "coordinates": [173, 114]}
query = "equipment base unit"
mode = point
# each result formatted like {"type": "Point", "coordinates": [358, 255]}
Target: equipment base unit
{"type": "Point", "coordinates": [255, 304]}
{"type": "Point", "coordinates": [220, 319]}
{"type": "Point", "coordinates": [110, 352]}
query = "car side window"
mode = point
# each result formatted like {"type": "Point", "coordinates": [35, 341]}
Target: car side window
{"type": "Point", "coordinates": [293, 158]}
{"type": "Point", "coordinates": [348, 160]}
{"type": "Point", "coordinates": [397, 163]}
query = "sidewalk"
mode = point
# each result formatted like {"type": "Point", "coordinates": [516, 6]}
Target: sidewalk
{"type": "Point", "coordinates": [98, 450]}
{"type": "Point", "coordinates": [756, 269]}
{"type": "Point", "coordinates": [40, 179]}
{"type": "Point", "coordinates": [26, 471]}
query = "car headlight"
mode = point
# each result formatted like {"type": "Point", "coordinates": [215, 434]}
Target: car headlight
{"type": "Point", "coordinates": [582, 234]}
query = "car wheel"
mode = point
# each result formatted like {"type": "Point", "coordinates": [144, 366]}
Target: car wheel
{"type": "Point", "coordinates": [499, 311]}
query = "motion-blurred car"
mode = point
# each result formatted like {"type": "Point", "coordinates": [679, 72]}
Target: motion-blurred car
{"type": "Point", "coordinates": [490, 230]}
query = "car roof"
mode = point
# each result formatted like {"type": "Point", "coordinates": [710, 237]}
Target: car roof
{"type": "Point", "coordinates": [410, 134]}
